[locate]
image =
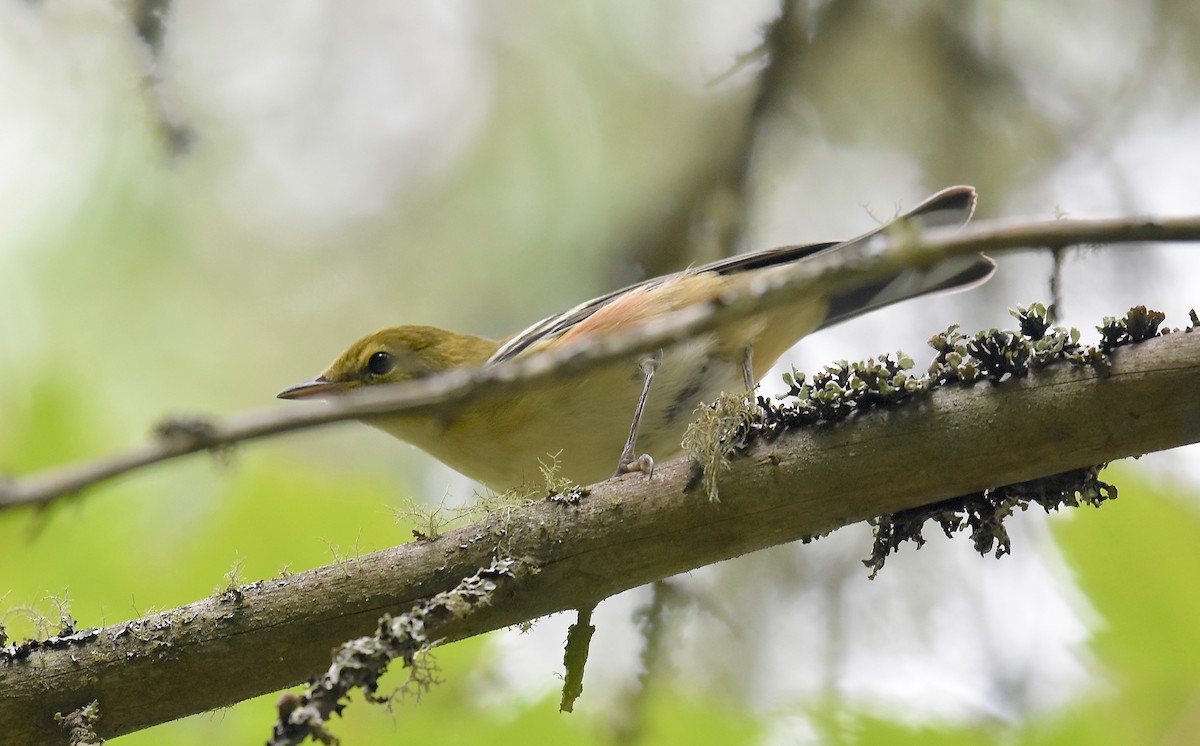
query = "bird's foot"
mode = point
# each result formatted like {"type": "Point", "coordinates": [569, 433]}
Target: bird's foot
{"type": "Point", "coordinates": [629, 464]}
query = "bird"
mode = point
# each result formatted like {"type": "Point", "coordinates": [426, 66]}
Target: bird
{"type": "Point", "coordinates": [578, 422]}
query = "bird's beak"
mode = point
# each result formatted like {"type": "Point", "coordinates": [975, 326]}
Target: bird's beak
{"type": "Point", "coordinates": [317, 388]}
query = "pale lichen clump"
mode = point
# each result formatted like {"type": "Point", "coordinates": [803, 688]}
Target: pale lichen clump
{"type": "Point", "coordinates": [716, 434]}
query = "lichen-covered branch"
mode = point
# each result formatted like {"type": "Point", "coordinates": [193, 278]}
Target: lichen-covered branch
{"type": "Point", "coordinates": [360, 663]}
{"type": "Point", "coordinates": [957, 439]}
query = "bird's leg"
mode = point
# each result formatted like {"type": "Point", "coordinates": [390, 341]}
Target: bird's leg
{"type": "Point", "coordinates": [748, 370]}
{"type": "Point", "coordinates": [630, 462]}
{"type": "Point", "coordinates": [748, 377]}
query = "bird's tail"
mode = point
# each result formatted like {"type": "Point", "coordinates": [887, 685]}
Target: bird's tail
{"type": "Point", "coordinates": [950, 207]}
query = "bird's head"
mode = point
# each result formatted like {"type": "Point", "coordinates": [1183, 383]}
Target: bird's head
{"type": "Point", "coordinates": [394, 355]}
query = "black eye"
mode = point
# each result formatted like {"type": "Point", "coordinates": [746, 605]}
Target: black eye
{"type": "Point", "coordinates": [381, 363]}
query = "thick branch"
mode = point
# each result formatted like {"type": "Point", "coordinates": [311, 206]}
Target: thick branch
{"type": "Point", "coordinates": [626, 533]}
{"type": "Point", "coordinates": [823, 274]}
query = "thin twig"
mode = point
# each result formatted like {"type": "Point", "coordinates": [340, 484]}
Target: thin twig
{"type": "Point", "coordinates": [828, 273]}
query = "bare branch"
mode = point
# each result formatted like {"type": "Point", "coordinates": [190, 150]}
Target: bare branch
{"type": "Point", "coordinates": [627, 532]}
{"type": "Point", "coordinates": [460, 387]}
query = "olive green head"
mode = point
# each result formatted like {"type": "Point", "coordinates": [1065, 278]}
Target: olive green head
{"type": "Point", "coordinates": [395, 355]}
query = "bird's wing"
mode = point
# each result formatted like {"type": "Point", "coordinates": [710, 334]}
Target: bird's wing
{"type": "Point", "coordinates": [952, 206]}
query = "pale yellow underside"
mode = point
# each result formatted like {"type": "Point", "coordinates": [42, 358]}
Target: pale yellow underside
{"type": "Point", "coordinates": [584, 419]}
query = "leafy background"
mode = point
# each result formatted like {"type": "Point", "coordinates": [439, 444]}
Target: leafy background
{"type": "Point", "coordinates": [480, 165]}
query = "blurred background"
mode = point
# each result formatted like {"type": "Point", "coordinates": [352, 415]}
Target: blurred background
{"type": "Point", "coordinates": [204, 202]}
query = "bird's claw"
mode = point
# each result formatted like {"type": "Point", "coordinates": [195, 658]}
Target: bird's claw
{"type": "Point", "coordinates": [643, 463]}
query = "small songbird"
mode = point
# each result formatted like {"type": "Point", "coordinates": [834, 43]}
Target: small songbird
{"type": "Point", "coordinates": [582, 419]}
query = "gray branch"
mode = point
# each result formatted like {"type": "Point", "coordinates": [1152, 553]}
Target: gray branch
{"type": "Point", "coordinates": [823, 274]}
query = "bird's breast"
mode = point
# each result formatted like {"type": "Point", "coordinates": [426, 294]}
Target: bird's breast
{"type": "Point", "coordinates": [692, 373]}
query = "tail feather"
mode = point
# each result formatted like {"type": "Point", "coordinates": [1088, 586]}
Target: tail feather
{"type": "Point", "coordinates": [949, 207]}
{"type": "Point", "coordinates": [951, 275]}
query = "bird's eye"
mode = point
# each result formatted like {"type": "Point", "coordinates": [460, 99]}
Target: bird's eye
{"type": "Point", "coordinates": [381, 363]}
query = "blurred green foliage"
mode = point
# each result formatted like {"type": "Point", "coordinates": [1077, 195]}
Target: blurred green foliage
{"type": "Point", "coordinates": [1135, 558]}
{"type": "Point", "coordinates": [1137, 564]}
